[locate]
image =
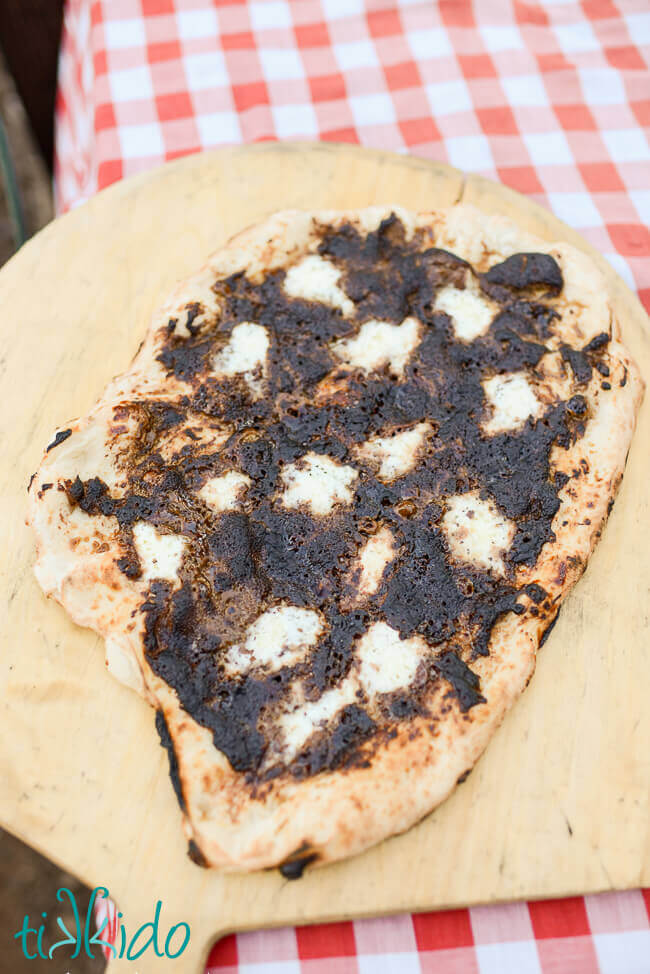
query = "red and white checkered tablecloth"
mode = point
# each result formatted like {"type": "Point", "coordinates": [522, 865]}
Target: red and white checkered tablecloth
{"type": "Point", "coordinates": [552, 99]}
{"type": "Point", "coordinates": [603, 934]}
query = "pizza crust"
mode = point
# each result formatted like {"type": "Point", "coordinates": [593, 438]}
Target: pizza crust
{"type": "Point", "coordinates": [336, 814]}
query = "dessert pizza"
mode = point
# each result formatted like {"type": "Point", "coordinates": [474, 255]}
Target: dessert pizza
{"type": "Point", "coordinates": [329, 513]}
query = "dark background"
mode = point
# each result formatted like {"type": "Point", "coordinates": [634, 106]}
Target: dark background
{"type": "Point", "coordinates": [29, 38]}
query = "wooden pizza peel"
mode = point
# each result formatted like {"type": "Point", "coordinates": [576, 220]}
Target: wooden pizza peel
{"type": "Point", "coordinates": [559, 804]}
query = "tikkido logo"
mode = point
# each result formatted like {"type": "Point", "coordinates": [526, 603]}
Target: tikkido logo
{"type": "Point", "coordinates": [145, 937]}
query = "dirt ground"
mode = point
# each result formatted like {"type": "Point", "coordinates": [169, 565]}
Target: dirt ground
{"type": "Point", "coordinates": [28, 882]}
{"type": "Point", "coordinates": [28, 886]}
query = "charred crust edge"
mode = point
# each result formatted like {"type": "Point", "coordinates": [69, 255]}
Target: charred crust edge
{"type": "Point", "coordinates": [168, 744]}
{"type": "Point", "coordinates": [58, 439]}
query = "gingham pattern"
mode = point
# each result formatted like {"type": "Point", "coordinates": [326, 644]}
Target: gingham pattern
{"type": "Point", "coordinates": [551, 98]}
{"type": "Point", "coordinates": [605, 934]}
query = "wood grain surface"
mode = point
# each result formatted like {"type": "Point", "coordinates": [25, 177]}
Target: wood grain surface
{"type": "Point", "coordinates": [558, 805]}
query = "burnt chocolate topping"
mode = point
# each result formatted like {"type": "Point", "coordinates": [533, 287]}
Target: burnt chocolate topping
{"type": "Point", "coordinates": [237, 564]}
